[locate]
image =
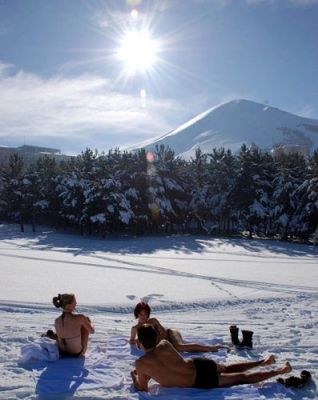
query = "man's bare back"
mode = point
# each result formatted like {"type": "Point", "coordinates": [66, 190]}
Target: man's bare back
{"type": "Point", "coordinates": [167, 367]}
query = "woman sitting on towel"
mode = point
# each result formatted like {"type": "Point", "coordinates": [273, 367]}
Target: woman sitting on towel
{"type": "Point", "coordinates": [72, 330]}
{"type": "Point", "coordinates": [142, 313]}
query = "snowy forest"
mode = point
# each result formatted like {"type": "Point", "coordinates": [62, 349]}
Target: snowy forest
{"type": "Point", "coordinates": [149, 193]}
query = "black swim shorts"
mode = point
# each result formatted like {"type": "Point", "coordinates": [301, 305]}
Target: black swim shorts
{"type": "Point", "coordinates": [207, 376]}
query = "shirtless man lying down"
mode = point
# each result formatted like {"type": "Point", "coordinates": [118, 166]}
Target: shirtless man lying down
{"type": "Point", "coordinates": [165, 365]}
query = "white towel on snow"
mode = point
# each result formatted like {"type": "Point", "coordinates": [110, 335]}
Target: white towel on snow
{"type": "Point", "coordinates": [71, 374]}
{"type": "Point", "coordinates": [44, 349]}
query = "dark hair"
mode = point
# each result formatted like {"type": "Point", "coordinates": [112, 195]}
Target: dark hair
{"type": "Point", "coordinates": [140, 307]}
{"type": "Point", "coordinates": [147, 335]}
{"type": "Point", "coordinates": [62, 300]}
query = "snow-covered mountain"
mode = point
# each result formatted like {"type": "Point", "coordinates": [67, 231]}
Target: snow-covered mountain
{"type": "Point", "coordinates": [234, 123]}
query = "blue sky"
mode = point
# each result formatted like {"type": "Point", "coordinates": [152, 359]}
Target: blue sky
{"type": "Point", "coordinates": [65, 81]}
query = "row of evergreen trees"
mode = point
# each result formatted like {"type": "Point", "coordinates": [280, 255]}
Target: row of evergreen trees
{"type": "Point", "coordinates": [148, 192]}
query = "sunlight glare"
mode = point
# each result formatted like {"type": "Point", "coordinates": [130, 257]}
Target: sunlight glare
{"type": "Point", "coordinates": [138, 51]}
{"type": "Point", "coordinates": [143, 94]}
{"type": "Point", "coordinates": [134, 13]}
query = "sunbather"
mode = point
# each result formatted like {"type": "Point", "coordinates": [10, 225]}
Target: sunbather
{"type": "Point", "coordinates": [142, 312]}
{"type": "Point", "coordinates": [166, 366]}
{"type": "Point", "coordinates": [72, 330]}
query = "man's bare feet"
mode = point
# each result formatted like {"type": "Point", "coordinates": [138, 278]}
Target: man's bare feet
{"type": "Point", "coordinates": [284, 369]}
{"type": "Point", "coordinates": [269, 360]}
{"type": "Point", "coordinates": [287, 368]}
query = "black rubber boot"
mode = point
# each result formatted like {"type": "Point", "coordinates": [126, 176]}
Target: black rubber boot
{"type": "Point", "coordinates": [234, 335]}
{"type": "Point", "coordinates": [247, 342]}
{"type": "Point", "coordinates": [295, 382]}
{"type": "Point", "coordinates": [306, 377]}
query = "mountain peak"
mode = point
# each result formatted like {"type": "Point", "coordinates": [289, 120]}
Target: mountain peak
{"type": "Point", "coordinates": [234, 123]}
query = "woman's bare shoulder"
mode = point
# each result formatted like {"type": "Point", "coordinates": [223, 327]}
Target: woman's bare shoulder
{"type": "Point", "coordinates": [81, 316]}
{"type": "Point", "coordinates": [153, 320]}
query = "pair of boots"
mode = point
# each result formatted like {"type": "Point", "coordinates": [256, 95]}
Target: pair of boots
{"type": "Point", "coordinates": [294, 381]}
{"type": "Point", "coordinates": [246, 343]}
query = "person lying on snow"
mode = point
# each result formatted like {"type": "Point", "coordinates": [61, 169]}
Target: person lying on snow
{"type": "Point", "coordinates": [142, 313]}
{"type": "Point", "coordinates": [166, 366]}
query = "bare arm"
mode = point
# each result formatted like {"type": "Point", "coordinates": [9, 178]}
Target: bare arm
{"type": "Point", "coordinates": [87, 323]}
{"type": "Point", "coordinates": [157, 324]}
{"type": "Point", "coordinates": [220, 346]}
{"type": "Point", "coordinates": [140, 380]}
{"type": "Point", "coordinates": [133, 334]}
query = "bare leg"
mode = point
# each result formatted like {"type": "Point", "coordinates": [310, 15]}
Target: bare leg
{"type": "Point", "coordinates": [84, 334]}
{"type": "Point", "coordinates": [246, 365]}
{"type": "Point", "coordinates": [177, 341]}
{"type": "Point", "coordinates": [242, 378]}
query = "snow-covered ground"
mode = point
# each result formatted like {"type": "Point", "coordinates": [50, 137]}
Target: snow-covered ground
{"type": "Point", "coordinates": [200, 285]}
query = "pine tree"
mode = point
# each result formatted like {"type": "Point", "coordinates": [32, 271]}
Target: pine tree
{"type": "Point", "coordinates": [222, 180]}
{"type": "Point", "coordinates": [308, 192]}
{"type": "Point", "coordinates": [291, 173]}
{"type": "Point", "coordinates": [48, 206]}
{"type": "Point", "coordinates": [12, 196]}
{"type": "Point", "coordinates": [248, 198]}
{"type": "Point", "coordinates": [170, 199]}
{"type": "Point", "coordinates": [199, 188]}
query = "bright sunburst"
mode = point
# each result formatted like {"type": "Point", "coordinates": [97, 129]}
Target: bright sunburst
{"type": "Point", "coordinates": [138, 51]}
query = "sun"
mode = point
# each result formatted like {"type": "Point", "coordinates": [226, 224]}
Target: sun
{"type": "Point", "coordinates": [138, 51]}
